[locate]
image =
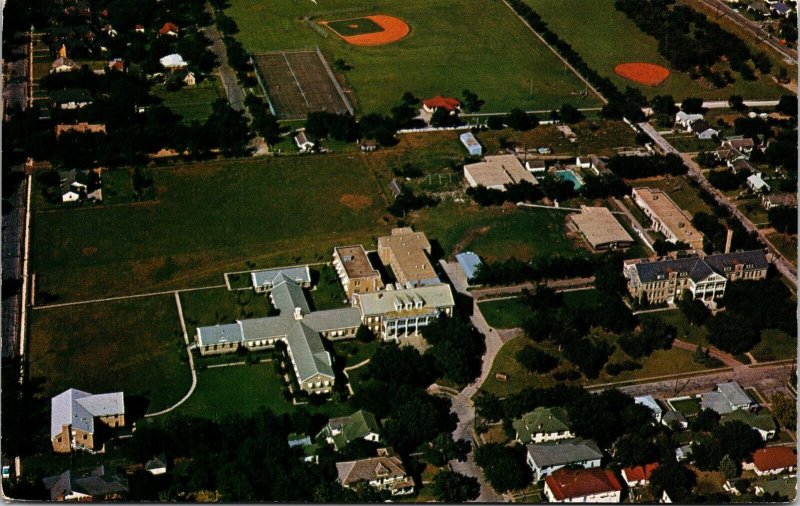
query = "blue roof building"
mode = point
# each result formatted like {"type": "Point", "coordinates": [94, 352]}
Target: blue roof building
{"type": "Point", "coordinates": [471, 143]}
{"type": "Point", "coordinates": [469, 262]}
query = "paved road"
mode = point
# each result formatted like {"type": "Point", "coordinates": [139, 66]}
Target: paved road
{"type": "Point", "coordinates": [753, 28]}
{"type": "Point", "coordinates": [559, 284]}
{"type": "Point", "coordinates": [13, 224]}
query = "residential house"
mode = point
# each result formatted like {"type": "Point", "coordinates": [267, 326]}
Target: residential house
{"type": "Point", "coordinates": [157, 465]}
{"type": "Point", "coordinates": [303, 144]}
{"type": "Point", "coordinates": [703, 131]}
{"type": "Point", "coordinates": [757, 184]}
{"type": "Point", "coordinates": [78, 419]}
{"type": "Point", "coordinates": [779, 199]}
{"type": "Point", "coordinates": [762, 422]}
{"type": "Point", "coordinates": [343, 430]}
{"type": "Point", "coordinates": [729, 155]}
{"type": "Point", "coordinates": [138, 28]}
{"type": "Point", "coordinates": [173, 61]}
{"type": "Point", "coordinates": [583, 485]}
{"type": "Point", "coordinates": [740, 165]}
{"type": "Point", "coordinates": [395, 188]}
{"type": "Point", "coordinates": [81, 128]}
{"type": "Point", "coordinates": [169, 29]}
{"type": "Point", "coordinates": [545, 458]}
{"type": "Point", "coordinates": [542, 425]}
{"type": "Point", "coordinates": [496, 172]}
{"type": "Point", "coordinates": [189, 79]}
{"type": "Point", "coordinates": [449, 104]}
{"type": "Point", "coordinates": [401, 312]}
{"type": "Point", "coordinates": [406, 253]}
{"type": "Point", "coordinates": [309, 447]}
{"type": "Point", "coordinates": [601, 229]}
{"type": "Point", "coordinates": [368, 146]}
{"type": "Point", "coordinates": [97, 485]}
{"type": "Point", "coordinates": [469, 263]}
{"type": "Point", "coordinates": [760, 7]}
{"type": "Point", "coordinates": [638, 476]}
{"type": "Point", "coordinates": [263, 281]}
{"type": "Point", "coordinates": [663, 280]}
{"type": "Point", "coordinates": [685, 120]}
{"type": "Point", "coordinates": [649, 402]}
{"type": "Point", "coordinates": [667, 217]}
{"type": "Point", "coordinates": [355, 270]}
{"type": "Point", "coordinates": [384, 472]}
{"type": "Point", "coordinates": [741, 145]}
{"type": "Point", "coordinates": [536, 166]}
{"type": "Point", "coordinates": [471, 143]}
{"type": "Point", "coordinates": [727, 397]}
{"type": "Point", "coordinates": [773, 460]}
{"type": "Point", "coordinates": [674, 419]}
{"type": "Point", "coordinates": [62, 64]}
{"type": "Point", "coordinates": [682, 452]}
{"type": "Point", "coordinates": [70, 98]}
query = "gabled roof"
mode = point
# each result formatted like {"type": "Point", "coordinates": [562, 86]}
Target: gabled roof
{"type": "Point", "coordinates": [564, 453]}
{"type": "Point", "coordinates": [761, 421]}
{"type": "Point", "coordinates": [774, 457]}
{"type": "Point", "coordinates": [173, 60]}
{"type": "Point", "coordinates": [734, 393]}
{"type": "Point", "coordinates": [573, 483]}
{"type": "Point", "coordinates": [541, 421]}
{"type": "Point", "coordinates": [300, 275]}
{"type": "Point", "coordinates": [78, 409]}
{"type": "Point", "coordinates": [469, 262]}
{"type": "Point", "coordinates": [96, 484]}
{"type": "Point", "coordinates": [369, 469]}
{"type": "Point", "coordinates": [309, 355]}
{"type": "Point", "coordinates": [638, 473]}
{"type": "Point", "coordinates": [700, 268]}
{"type": "Point", "coordinates": [650, 402]}
{"type": "Point", "coordinates": [439, 101]}
{"type": "Point", "coordinates": [356, 426]}
{"type": "Point", "coordinates": [286, 296]}
{"type": "Point", "coordinates": [62, 61]}
{"type": "Point", "coordinates": [169, 27]}
{"type": "Point", "coordinates": [220, 334]}
{"type": "Point", "coordinates": [700, 126]}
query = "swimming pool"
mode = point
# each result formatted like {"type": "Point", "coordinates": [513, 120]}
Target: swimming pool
{"type": "Point", "coordinates": [572, 177]}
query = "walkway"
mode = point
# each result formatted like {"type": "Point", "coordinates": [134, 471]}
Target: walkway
{"type": "Point", "coordinates": [726, 358]}
{"type": "Point", "coordinates": [191, 363]}
{"type": "Point", "coordinates": [123, 297]}
{"type": "Point", "coordinates": [637, 227]}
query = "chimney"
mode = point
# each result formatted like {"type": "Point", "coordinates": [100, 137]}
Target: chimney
{"type": "Point", "coordinates": [728, 241]}
{"type": "Point", "coordinates": [298, 313]}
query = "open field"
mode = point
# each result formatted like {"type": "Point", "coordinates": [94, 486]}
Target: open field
{"type": "Point", "coordinates": [786, 244]}
{"type": "Point", "coordinates": [439, 56]}
{"type": "Point", "coordinates": [192, 102]}
{"type": "Point", "coordinates": [208, 219]}
{"type": "Point", "coordinates": [518, 378]}
{"type": "Point", "coordinates": [678, 188]}
{"type": "Point", "coordinates": [218, 305]}
{"type": "Point", "coordinates": [605, 37]}
{"type": "Point", "coordinates": [298, 82]}
{"type": "Point", "coordinates": [510, 313]}
{"type": "Point", "coordinates": [132, 346]}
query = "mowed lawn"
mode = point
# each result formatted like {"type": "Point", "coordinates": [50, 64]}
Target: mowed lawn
{"type": "Point", "coordinates": [510, 313]}
{"type": "Point", "coordinates": [193, 103]}
{"type": "Point", "coordinates": [208, 219]}
{"type": "Point", "coordinates": [218, 306]}
{"type": "Point", "coordinates": [496, 233]}
{"type": "Point", "coordinates": [605, 37]}
{"type": "Point", "coordinates": [133, 346]}
{"type": "Point", "coordinates": [453, 45]}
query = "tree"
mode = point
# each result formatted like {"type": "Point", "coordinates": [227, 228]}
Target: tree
{"type": "Point", "coordinates": [705, 421]}
{"type": "Point", "coordinates": [785, 411]}
{"type": "Point", "coordinates": [489, 407]}
{"type": "Point", "coordinates": [471, 101]}
{"type": "Point", "coordinates": [503, 466]}
{"type": "Point", "coordinates": [692, 105]}
{"type": "Point", "coordinates": [787, 105]}
{"type": "Point", "coordinates": [728, 467]}
{"type": "Point", "coordinates": [495, 122]}
{"type": "Point", "coordinates": [783, 219]}
{"type": "Point", "coordinates": [664, 104]}
{"type": "Point", "coordinates": [520, 120]}
{"type": "Point", "coordinates": [693, 309]}
{"type": "Point", "coordinates": [452, 487]}
{"type": "Point", "coordinates": [364, 334]}
{"type": "Point", "coordinates": [732, 332]}
{"type": "Point", "coordinates": [674, 478]}
{"type": "Point", "coordinates": [441, 117]}
{"type": "Point", "coordinates": [739, 440]}
{"type": "Point", "coordinates": [457, 348]}
{"type": "Point", "coordinates": [634, 450]}
{"type": "Point", "coordinates": [570, 114]}
{"type": "Point", "coordinates": [736, 102]}
{"type": "Point", "coordinates": [536, 360]}
{"type": "Point", "coordinates": [707, 159]}
{"type": "Point", "coordinates": [443, 449]}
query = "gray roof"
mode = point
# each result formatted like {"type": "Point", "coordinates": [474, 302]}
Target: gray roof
{"type": "Point", "coordinates": [700, 268]}
{"type": "Point", "coordinates": [300, 275]}
{"type": "Point", "coordinates": [220, 334]}
{"type": "Point", "coordinates": [673, 416]}
{"type": "Point", "coordinates": [469, 262]}
{"type": "Point", "coordinates": [333, 319]}
{"type": "Point", "coordinates": [431, 296]}
{"type": "Point", "coordinates": [715, 401]}
{"type": "Point", "coordinates": [79, 409]}
{"type": "Point", "coordinates": [309, 355]}
{"type": "Point", "coordinates": [650, 402]}
{"type": "Point", "coordinates": [734, 394]}
{"type": "Point", "coordinates": [286, 296]}
{"type": "Point", "coordinates": [563, 453]}
{"type": "Point", "coordinates": [756, 258]}
{"type": "Point", "coordinates": [271, 327]}
{"type": "Point", "coordinates": [96, 484]}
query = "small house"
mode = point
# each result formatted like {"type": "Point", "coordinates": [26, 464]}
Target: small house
{"type": "Point", "coordinates": [189, 79]}
{"type": "Point", "coordinates": [96, 486]}
{"type": "Point", "coordinates": [773, 460]}
{"type": "Point", "coordinates": [757, 184]}
{"type": "Point", "coordinates": [343, 430]}
{"type": "Point", "coordinates": [546, 458]}
{"type": "Point", "coordinates": [62, 64]}
{"type": "Point", "coordinates": [536, 166]}
{"type": "Point", "coordinates": [173, 61]}
{"type": "Point", "coordinates": [649, 402]}
{"type": "Point", "coordinates": [685, 120]}
{"type": "Point", "coordinates": [449, 104]}
{"type": "Point", "coordinates": [638, 476]}
{"type": "Point", "coordinates": [583, 485]}
{"type": "Point", "coordinates": [169, 29]}
{"type": "Point", "coordinates": [702, 130]}
{"type": "Point", "coordinates": [779, 199]}
{"type": "Point", "coordinates": [542, 425]}
{"type": "Point", "coordinates": [469, 263]}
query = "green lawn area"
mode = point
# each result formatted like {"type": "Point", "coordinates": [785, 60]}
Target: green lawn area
{"type": "Point", "coordinates": [518, 377]}
{"type": "Point", "coordinates": [504, 313]}
{"type": "Point", "coordinates": [786, 244]}
{"type": "Point", "coordinates": [659, 363]}
{"type": "Point", "coordinates": [133, 346]}
{"type": "Point", "coordinates": [354, 26]}
{"type": "Point", "coordinates": [327, 292]}
{"type": "Point", "coordinates": [209, 218]}
{"type": "Point", "coordinates": [691, 144]}
{"type": "Point", "coordinates": [678, 188]}
{"type": "Point", "coordinates": [218, 305]}
{"type": "Point", "coordinates": [192, 102]}
{"type": "Point", "coordinates": [605, 37]}
{"type": "Point", "coordinates": [451, 47]}
{"type": "Point", "coordinates": [354, 352]}
{"type": "Point", "coordinates": [689, 333]}
{"type": "Point", "coordinates": [687, 407]}
{"type": "Point", "coordinates": [496, 233]}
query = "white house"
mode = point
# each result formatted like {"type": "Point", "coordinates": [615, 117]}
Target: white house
{"type": "Point", "coordinates": [685, 120]}
{"type": "Point", "coordinates": [583, 485]}
{"type": "Point", "coordinates": [383, 472]}
{"type": "Point", "coordinates": [303, 143]}
{"type": "Point", "coordinates": [546, 458]}
{"type": "Point", "coordinates": [173, 61]}
{"type": "Point", "coordinates": [62, 64]}
{"type": "Point", "coordinates": [542, 425]}
{"type": "Point", "coordinates": [757, 184]}
{"type": "Point", "coordinates": [535, 166]}
{"type": "Point", "coordinates": [649, 402]}
{"type": "Point", "coordinates": [703, 130]}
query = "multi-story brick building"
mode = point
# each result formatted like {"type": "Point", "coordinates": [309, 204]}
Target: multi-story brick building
{"type": "Point", "coordinates": [355, 270]}
{"type": "Point", "coordinates": [406, 252]}
{"type": "Point", "coordinates": [77, 418]}
{"type": "Point", "coordinates": [667, 217]}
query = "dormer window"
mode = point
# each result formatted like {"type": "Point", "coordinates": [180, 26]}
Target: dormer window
{"type": "Point", "coordinates": [748, 266]}
{"type": "Point", "coordinates": [728, 268]}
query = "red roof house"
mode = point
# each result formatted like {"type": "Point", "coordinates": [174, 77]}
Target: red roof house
{"type": "Point", "coordinates": [170, 29]}
{"type": "Point", "coordinates": [582, 485]}
{"type": "Point", "coordinates": [774, 460]}
{"type": "Point", "coordinates": [139, 28]}
{"type": "Point", "coordinates": [440, 102]}
{"type": "Point", "coordinates": [638, 475]}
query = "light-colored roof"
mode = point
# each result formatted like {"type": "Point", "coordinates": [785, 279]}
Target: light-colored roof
{"type": "Point", "coordinates": [309, 355]}
{"type": "Point", "coordinates": [600, 227]}
{"type": "Point", "coordinates": [734, 394]}
{"type": "Point", "coordinates": [469, 262]}
{"type": "Point", "coordinates": [498, 171]}
{"type": "Point", "coordinates": [78, 409]}
{"type": "Point", "coordinates": [672, 216]}
{"type": "Point", "coordinates": [387, 302]}
{"type": "Point", "coordinates": [369, 469]}
{"type": "Point", "coordinates": [286, 296]}
{"type": "Point", "coordinates": [355, 261]}
{"type": "Point", "coordinates": [173, 60]}
{"type": "Point", "coordinates": [299, 274]}
{"type": "Point", "coordinates": [408, 248]}
{"type": "Point", "coordinates": [756, 182]}
{"type": "Point", "coordinates": [563, 453]}
{"type": "Point", "coordinates": [220, 334]}
{"type": "Point", "coordinates": [650, 402]}
{"type": "Point", "coordinates": [333, 319]}
{"type": "Point", "coordinates": [469, 140]}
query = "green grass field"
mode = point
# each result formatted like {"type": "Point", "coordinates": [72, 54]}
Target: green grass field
{"type": "Point", "coordinates": [678, 188]}
{"type": "Point", "coordinates": [218, 305]}
{"type": "Point", "coordinates": [192, 102]}
{"type": "Point", "coordinates": [687, 407]}
{"type": "Point", "coordinates": [354, 26]}
{"type": "Point", "coordinates": [510, 313]}
{"type": "Point", "coordinates": [605, 37]}
{"type": "Point", "coordinates": [451, 47]}
{"type": "Point", "coordinates": [133, 346]}
{"type": "Point", "coordinates": [208, 219]}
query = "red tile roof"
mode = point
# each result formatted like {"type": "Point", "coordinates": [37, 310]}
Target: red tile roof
{"type": "Point", "coordinates": [774, 457]}
{"type": "Point", "coordinates": [168, 27]}
{"type": "Point", "coordinates": [571, 483]}
{"type": "Point", "coordinates": [438, 101]}
{"type": "Point", "coordinates": [639, 473]}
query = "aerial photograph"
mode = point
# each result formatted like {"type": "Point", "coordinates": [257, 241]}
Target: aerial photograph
{"type": "Point", "coordinates": [417, 251]}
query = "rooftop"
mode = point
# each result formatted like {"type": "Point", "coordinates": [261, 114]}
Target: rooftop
{"type": "Point", "coordinates": [469, 262]}
{"type": "Point", "coordinates": [422, 299]}
{"type": "Point", "coordinates": [408, 248]}
{"type": "Point", "coordinates": [600, 227]}
{"type": "Point", "coordinates": [563, 453]}
{"type": "Point", "coordinates": [369, 469]}
{"type": "Point", "coordinates": [355, 261]}
{"type": "Point", "coordinates": [699, 268]}
{"type": "Point", "coordinates": [267, 277]}
{"type": "Point", "coordinates": [672, 216]}
{"type": "Point", "coordinates": [541, 421]}
{"type": "Point", "coordinates": [79, 409]}
{"type": "Point", "coordinates": [573, 483]}
{"type": "Point", "coordinates": [498, 171]}
{"type": "Point", "coordinates": [774, 457]}
{"type": "Point", "coordinates": [638, 473]}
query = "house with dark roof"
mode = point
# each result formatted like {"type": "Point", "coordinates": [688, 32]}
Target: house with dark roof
{"type": "Point", "coordinates": [97, 485]}
{"type": "Point", "coordinates": [779, 199]}
{"type": "Point", "coordinates": [70, 98]}
{"type": "Point", "coordinates": [384, 472]}
{"type": "Point", "coordinates": [762, 422]}
{"type": "Point", "coordinates": [664, 280]}
{"type": "Point", "coordinates": [703, 131]}
{"type": "Point", "coordinates": [583, 485]}
{"type": "Point", "coordinates": [77, 419]}
{"type": "Point", "coordinates": [343, 430]}
{"type": "Point", "coordinates": [546, 458]}
{"type": "Point", "coordinates": [542, 425]}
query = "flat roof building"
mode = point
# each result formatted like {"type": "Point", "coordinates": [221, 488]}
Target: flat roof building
{"type": "Point", "coordinates": [668, 218]}
{"type": "Point", "coordinates": [355, 270]}
{"type": "Point", "coordinates": [495, 172]}
{"type": "Point", "coordinates": [471, 143]}
{"type": "Point", "coordinates": [601, 229]}
{"type": "Point", "coordinates": [406, 252]}
{"type": "Point", "coordinates": [469, 263]}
